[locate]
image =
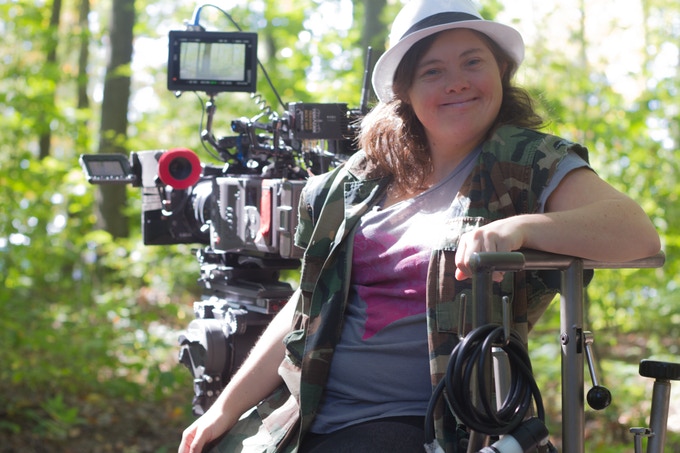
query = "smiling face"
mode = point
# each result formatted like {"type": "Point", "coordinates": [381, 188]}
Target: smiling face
{"type": "Point", "coordinates": [456, 92]}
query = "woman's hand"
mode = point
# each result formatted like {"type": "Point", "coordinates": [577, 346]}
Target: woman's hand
{"type": "Point", "coordinates": [505, 235]}
{"type": "Point", "coordinates": [205, 429]}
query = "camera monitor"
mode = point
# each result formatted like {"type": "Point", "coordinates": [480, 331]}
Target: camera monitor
{"type": "Point", "coordinates": [212, 61]}
{"type": "Point", "coordinates": [107, 169]}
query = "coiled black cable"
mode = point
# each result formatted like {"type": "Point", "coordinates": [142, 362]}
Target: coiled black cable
{"type": "Point", "coordinates": [470, 358]}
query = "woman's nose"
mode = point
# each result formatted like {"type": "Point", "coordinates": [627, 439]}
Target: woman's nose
{"type": "Point", "coordinates": [456, 82]}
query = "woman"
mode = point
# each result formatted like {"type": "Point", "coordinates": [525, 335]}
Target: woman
{"type": "Point", "coordinates": [451, 164]}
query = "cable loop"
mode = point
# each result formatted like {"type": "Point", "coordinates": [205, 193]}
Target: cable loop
{"type": "Point", "coordinates": [466, 370]}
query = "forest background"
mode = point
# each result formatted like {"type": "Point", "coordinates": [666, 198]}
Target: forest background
{"type": "Point", "coordinates": [89, 316]}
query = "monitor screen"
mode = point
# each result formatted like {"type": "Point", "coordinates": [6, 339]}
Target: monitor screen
{"type": "Point", "coordinates": [212, 61]}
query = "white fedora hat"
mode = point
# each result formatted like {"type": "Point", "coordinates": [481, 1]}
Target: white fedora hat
{"type": "Point", "coordinates": [421, 18]}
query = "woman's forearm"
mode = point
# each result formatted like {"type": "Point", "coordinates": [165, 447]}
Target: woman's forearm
{"type": "Point", "coordinates": [257, 378]}
{"type": "Point", "coordinates": [613, 229]}
{"type": "Point", "coordinates": [607, 230]}
{"type": "Point", "coordinates": [258, 375]}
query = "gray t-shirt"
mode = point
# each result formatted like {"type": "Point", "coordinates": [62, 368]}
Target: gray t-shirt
{"type": "Point", "coordinates": [380, 366]}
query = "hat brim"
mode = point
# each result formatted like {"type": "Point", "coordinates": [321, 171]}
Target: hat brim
{"type": "Point", "coordinates": [383, 73]}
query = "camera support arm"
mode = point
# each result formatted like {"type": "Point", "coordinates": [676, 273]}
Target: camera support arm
{"type": "Point", "coordinates": [206, 134]}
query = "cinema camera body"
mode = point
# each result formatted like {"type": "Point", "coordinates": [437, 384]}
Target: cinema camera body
{"type": "Point", "coordinates": [243, 213]}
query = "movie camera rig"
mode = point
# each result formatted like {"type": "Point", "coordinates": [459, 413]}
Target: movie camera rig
{"type": "Point", "coordinates": [243, 212]}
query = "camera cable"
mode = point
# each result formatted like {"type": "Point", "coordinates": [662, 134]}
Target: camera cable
{"type": "Point", "coordinates": [465, 371]}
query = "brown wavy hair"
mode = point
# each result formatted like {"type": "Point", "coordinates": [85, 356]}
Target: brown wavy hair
{"type": "Point", "coordinates": [393, 137]}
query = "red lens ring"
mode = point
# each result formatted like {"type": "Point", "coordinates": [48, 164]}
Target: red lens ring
{"type": "Point", "coordinates": [166, 160]}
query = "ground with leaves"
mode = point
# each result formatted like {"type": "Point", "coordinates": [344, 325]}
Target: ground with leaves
{"type": "Point", "coordinates": [97, 423]}
{"type": "Point", "coordinates": [117, 425]}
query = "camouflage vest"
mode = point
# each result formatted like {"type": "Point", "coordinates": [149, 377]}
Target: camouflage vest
{"type": "Point", "coordinates": [513, 168]}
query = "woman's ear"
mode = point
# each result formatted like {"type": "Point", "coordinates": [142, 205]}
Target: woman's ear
{"type": "Point", "coordinates": [503, 67]}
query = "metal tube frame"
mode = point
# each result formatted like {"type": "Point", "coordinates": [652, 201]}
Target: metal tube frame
{"type": "Point", "coordinates": [571, 319]}
{"type": "Point", "coordinates": [658, 421]}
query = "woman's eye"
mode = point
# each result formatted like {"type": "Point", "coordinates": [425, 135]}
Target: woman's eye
{"type": "Point", "coordinates": [429, 72]}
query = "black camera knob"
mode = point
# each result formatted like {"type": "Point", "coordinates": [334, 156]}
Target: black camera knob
{"type": "Point", "coordinates": [599, 397]}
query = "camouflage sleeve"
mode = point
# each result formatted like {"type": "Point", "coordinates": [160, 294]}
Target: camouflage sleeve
{"type": "Point", "coordinates": [309, 200]}
{"type": "Point", "coordinates": [315, 197]}
{"type": "Point", "coordinates": [305, 225]}
{"type": "Point", "coordinates": [550, 153]}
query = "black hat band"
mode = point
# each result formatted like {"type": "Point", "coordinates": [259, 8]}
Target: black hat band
{"type": "Point", "coordinates": [439, 19]}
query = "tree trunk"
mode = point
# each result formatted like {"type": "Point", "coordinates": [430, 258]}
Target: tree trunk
{"type": "Point", "coordinates": [83, 53]}
{"type": "Point", "coordinates": [83, 101]}
{"type": "Point", "coordinates": [45, 138]}
{"type": "Point", "coordinates": [113, 130]}
{"type": "Point", "coordinates": [373, 30]}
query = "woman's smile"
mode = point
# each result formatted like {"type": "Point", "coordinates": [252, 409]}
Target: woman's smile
{"type": "Point", "coordinates": [459, 102]}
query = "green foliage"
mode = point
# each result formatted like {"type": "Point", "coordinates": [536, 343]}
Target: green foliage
{"type": "Point", "coordinates": [83, 320]}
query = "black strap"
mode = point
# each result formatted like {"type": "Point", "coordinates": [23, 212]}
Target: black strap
{"type": "Point", "coordinates": [439, 19]}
